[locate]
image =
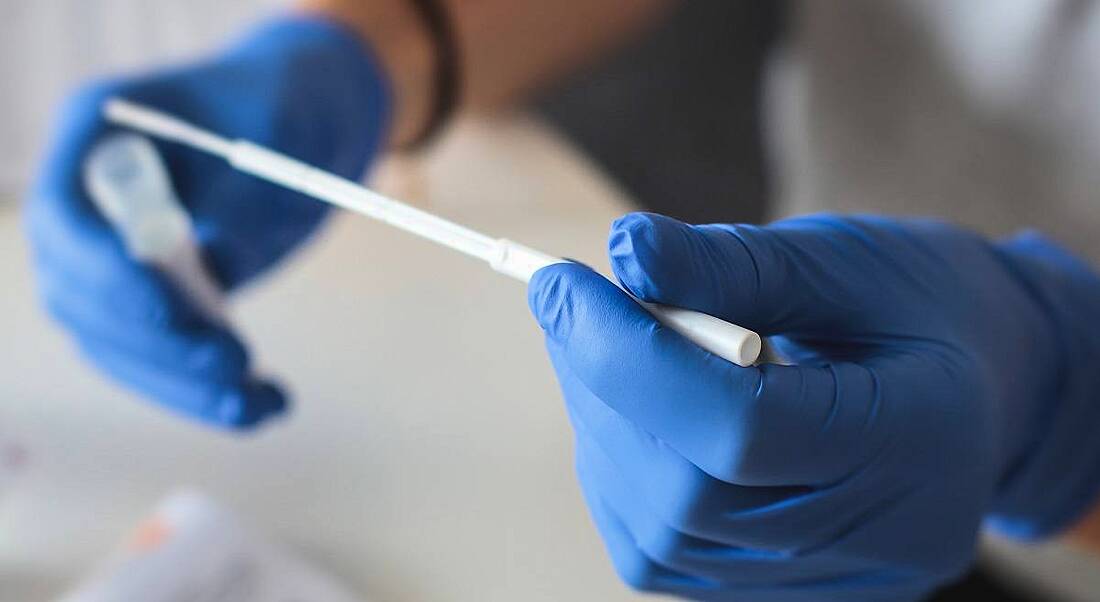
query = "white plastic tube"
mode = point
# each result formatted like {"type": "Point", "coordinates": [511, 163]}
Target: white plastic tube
{"type": "Point", "coordinates": [130, 186]}
{"type": "Point", "coordinates": [729, 341]}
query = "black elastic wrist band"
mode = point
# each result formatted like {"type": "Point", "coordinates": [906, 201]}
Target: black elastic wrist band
{"type": "Point", "coordinates": [447, 66]}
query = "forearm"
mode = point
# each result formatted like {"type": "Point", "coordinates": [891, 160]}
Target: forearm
{"type": "Point", "coordinates": [508, 47]}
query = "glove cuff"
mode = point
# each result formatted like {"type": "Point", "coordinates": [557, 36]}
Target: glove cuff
{"type": "Point", "coordinates": [335, 101]}
{"type": "Point", "coordinates": [1057, 481]}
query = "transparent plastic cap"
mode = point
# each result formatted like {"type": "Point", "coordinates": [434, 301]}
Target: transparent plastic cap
{"type": "Point", "coordinates": [131, 188]}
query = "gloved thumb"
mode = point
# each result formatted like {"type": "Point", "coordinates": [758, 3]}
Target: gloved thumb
{"type": "Point", "coordinates": [772, 279]}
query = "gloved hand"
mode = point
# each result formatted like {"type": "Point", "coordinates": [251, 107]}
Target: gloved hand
{"type": "Point", "coordinates": [939, 379]}
{"type": "Point", "coordinates": [303, 86]}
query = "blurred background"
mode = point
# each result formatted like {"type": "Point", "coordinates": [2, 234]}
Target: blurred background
{"type": "Point", "coordinates": [458, 485]}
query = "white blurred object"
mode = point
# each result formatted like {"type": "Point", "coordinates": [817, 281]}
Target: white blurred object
{"type": "Point", "coordinates": [130, 186]}
{"type": "Point", "coordinates": [48, 47]}
{"type": "Point", "coordinates": [192, 550]}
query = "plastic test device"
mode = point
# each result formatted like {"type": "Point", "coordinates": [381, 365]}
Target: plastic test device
{"type": "Point", "coordinates": [132, 189]}
{"type": "Point", "coordinates": [129, 184]}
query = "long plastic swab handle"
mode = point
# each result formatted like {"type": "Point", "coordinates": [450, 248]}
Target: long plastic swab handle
{"type": "Point", "coordinates": [129, 184]}
{"type": "Point", "coordinates": [729, 341]}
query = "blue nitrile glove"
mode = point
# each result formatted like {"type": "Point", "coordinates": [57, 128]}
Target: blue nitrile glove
{"type": "Point", "coordinates": [940, 379]}
{"type": "Point", "coordinates": [304, 86]}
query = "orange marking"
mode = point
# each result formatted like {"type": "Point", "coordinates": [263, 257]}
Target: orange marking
{"type": "Point", "coordinates": [150, 535]}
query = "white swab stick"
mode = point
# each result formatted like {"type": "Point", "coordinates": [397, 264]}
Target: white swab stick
{"type": "Point", "coordinates": [734, 343]}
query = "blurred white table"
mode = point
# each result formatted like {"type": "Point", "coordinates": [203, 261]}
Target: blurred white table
{"type": "Point", "coordinates": [427, 457]}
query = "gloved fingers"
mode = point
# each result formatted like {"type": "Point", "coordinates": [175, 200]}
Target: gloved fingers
{"type": "Point", "coordinates": [631, 563]}
{"type": "Point", "coordinates": [117, 283]}
{"type": "Point", "coordinates": [680, 495]}
{"type": "Point", "coordinates": [647, 373]}
{"type": "Point", "coordinates": [691, 555]}
{"type": "Point", "coordinates": [145, 335]}
{"type": "Point", "coordinates": [760, 426]}
{"type": "Point", "coordinates": [660, 550]}
{"type": "Point", "coordinates": [789, 350]}
{"type": "Point", "coordinates": [1032, 247]}
{"type": "Point", "coordinates": [112, 297]}
{"type": "Point", "coordinates": [684, 496]}
{"type": "Point", "coordinates": [204, 351]}
{"type": "Point", "coordinates": [780, 278]}
{"type": "Point", "coordinates": [240, 405]}
{"type": "Point", "coordinates": [641, 572]}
